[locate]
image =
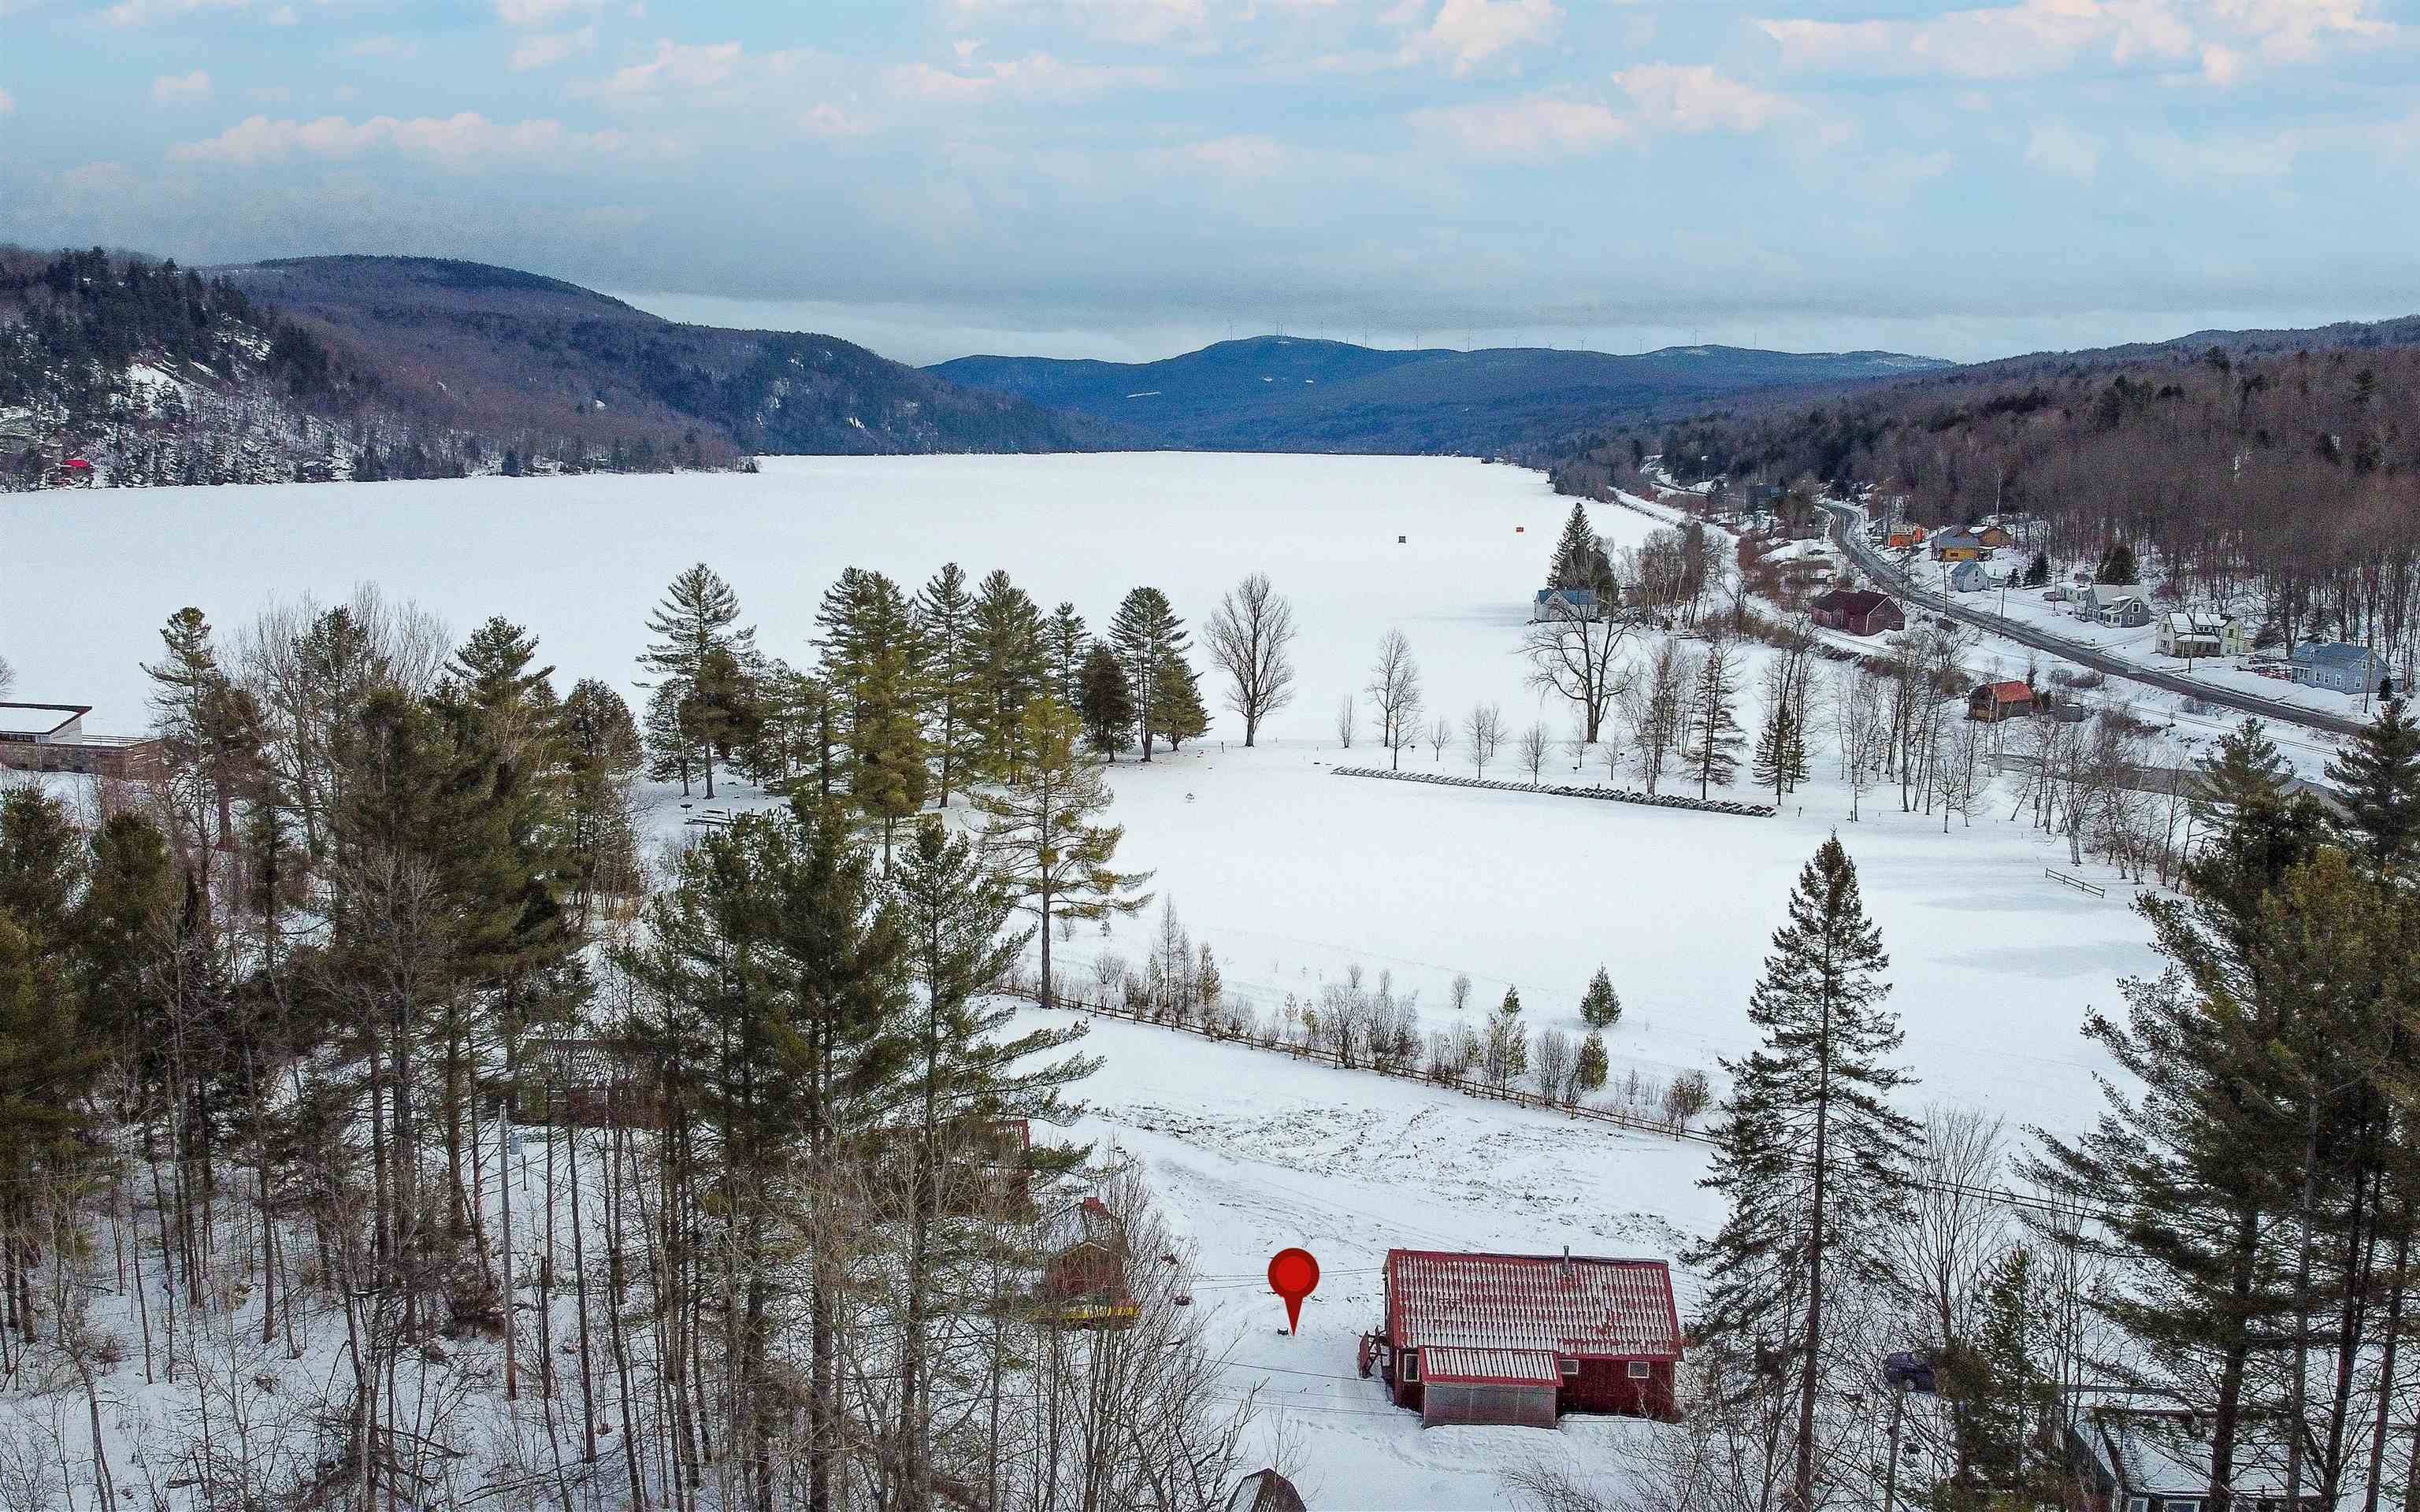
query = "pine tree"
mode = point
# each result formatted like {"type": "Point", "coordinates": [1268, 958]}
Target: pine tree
{"type": "Point", "coordinates": [1009, 668]}
{"type": "Point", "coordinates": [1176, 714]}
{"type": "Point", "coordinates": [722, 712]}
{"type": "Point", "coordinates": [1505, 1046]}
{"type": "Point", "coordinates": [1589, 1073]}
{"type": "Point", "coordinates": [1065, 642]}
{"type": "Point", "coordinates": [873, 665]}
{"type": "Point", "coordinates": [1811, 1156]}
{"type": "Point", "coordinates": [1601, 1006]}
{"type": "Point", "coordinates": [1107, 702]}
{"type": "Point", "coordinates": [1778, 747]}
{"type": "Point", "coordinates": [1044, 833]}
{"type": "Point", "coordinates": [964, 1080]}
{"type": "Point", "coordinates": [1572, 563]}
{"type": "Point", "coordinates": [2245, 771]}
{"type": "Point", "coordinates": [2378, 778]}
{"type": "Point", "coordinates": [1147, 635]}
{"type": "Point", "coordinates": [603, 751]}
{"type": "Point", "coordinates": [2038, 570]}
{"type": "Point", "coordinates": [2118, 565]}
{"type": "Point", "coordinates": [696, 615]}
{"type": "Point", "coordinates": [944, 617]}
{"type": "Point", "coordinates": [1715, 737]}
{"type": "Point", "coordinates": [671, 750]}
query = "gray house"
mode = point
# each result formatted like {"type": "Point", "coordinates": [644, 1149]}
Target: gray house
{"type": "Point", "coordinates": [2339, 665]}
{"type": "Point", "coordinates": [1566, 604]}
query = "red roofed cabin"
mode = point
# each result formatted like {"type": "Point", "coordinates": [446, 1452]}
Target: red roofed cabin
{"type": "Point", "coordinates": [1521, 1340]}
{"type": "Point", "coordinates": [1996, 701]}
{"type": "Point", "coordinates": [1857, 611]}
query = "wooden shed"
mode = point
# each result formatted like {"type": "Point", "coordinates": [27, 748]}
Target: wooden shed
{"type": "Point", "coordinates": [1520, 1340]}
{"type": "Point", "coordinates": [1996, 701]}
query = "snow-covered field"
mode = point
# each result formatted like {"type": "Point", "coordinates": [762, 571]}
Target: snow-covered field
{"type": "Point", "coordinates": [1292, 874]}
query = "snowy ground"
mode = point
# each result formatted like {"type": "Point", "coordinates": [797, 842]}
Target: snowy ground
{"type": "Point", "coordinates": [1291, 872]}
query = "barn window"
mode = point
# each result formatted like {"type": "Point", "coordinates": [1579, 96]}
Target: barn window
{"type": "Point", "coordinates": [1640, 1370]}
{"type": "Point", "coordinates": [1570, 1368]}
{"type": "Point", "coordinates": [1411, 1359]}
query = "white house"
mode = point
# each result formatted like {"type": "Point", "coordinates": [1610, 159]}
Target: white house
{"type": "Point", "coordinates": [2196, 633]}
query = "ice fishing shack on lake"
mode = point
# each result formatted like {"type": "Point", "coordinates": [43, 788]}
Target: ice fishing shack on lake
{"type": "Point", "coordinates": [1521, 1340]}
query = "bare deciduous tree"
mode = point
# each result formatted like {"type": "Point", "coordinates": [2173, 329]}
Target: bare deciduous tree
{"type": "Point", "coordinates": [1482, 729]}
{"type": "Point", "coordinates": [1576, 654]}
{"type": "Point", "coordinates": [1348, 719]}
{"type": "Point", "coordinates": [1247, 635]}
{"type": "Point", "coordinates": [1441, 735]}
{"type": "Point", "coordinates": [1536, 745]}
{"type": "Point", "coordinates": [1395, 689]}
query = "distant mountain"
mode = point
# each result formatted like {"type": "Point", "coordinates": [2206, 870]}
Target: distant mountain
{"type": "Point", "coordinates": [1286, 393]}
{"type": "Point", "coordinates": [498, 346]}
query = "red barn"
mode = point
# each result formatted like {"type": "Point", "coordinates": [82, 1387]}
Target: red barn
{"type": "Point", "coordinates": [1858, 612]}
{"type": "Point", "coordinates": [1524, 1338]}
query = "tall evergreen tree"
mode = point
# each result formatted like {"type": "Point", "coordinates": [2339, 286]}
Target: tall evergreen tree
{"type": "Point", "coordinates": [2378, 777]}
{"type": "Point", "coordinates": [602, 753]}
{"type": "Point", "coordinates": [1146, 635]}
{"type": "Point", "coordinates": [671, 750]}
{"type": "Point", "coordinates": [1600, 1006]}
{"type": "Point", "coordinates": [873, 664]}
{"type": "Point", "coordinates": [1714, 742]}
{"type": "Point", "coordinates": [1106, 701]}
{"type": "Point", "coordinates": [697, 614]}
{"type": "Point", "coordinates": [1813, 1159]}
{"type": "Point", "coordinates": [1065, 642]}
{"type": "Point", "coordinates": [1012, 666]}
{"type": "Point", "coordinates": [944, 616]}
{"type": "Point", "coordinates": [2245, 771]}
{"type": "Point", "coordinates": [1176, 713]}
{"type": "Point", "coordinates": [1045, 835]}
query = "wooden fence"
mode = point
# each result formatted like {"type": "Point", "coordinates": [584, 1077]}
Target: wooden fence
{"type": "Point", "coordinates": [2077, 883]}
{"type": "Point", "coordinates": [1657, 800]}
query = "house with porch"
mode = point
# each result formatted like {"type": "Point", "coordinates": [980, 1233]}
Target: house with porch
{"type": "Point", "coordinates": [1520, 1340]}
{"type": "Point", "coordinates": [2341, 665]}
{"type": "Point", "coordinates": [2137, 1459]}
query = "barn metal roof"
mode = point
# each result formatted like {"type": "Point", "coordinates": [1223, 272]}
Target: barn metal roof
{"type": "Point", "coordinates": [1444, 1364]}
{"type": "Point", "coordinates": [1583, 1306]}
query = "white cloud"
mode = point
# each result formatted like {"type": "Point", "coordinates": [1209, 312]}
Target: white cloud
{"type": "Point", "coordinates": [1105, 20]}
{"type": "Point", "coordinates": [1242, 156]}
{"type": "Point", "coordinates": [2057, 147]}
{"type": "Point", "coordinates": [833, 122]}
{"type": "Point", "coordinates": [8, 101]}
{"type": "Point", "coordinates": [147, 12]}
{"type": "Point", "coordinates": [1038, 76]}
{"type": "Point", "coordinates": [1693, 99]}
{"type": "Point", "coordinates": [2038, 37]}
{"type": "Point", "coordinates": [400, 48]}
{"type": "Point", "coordinates": [283, 16]}
{"type": "Point", "coordinates": [180, 88]}
{"type": "Point", "coordinates": [1534, 126]}
{"type": "Point", "coordinates": [1469, 32]}
{"type": "Point", "coordinates": [544, 50]}
{"type": "Point", "coordinates": [676, 66]}
{"type": "Point", "coordinates": [462, 140]}
{"type": "Point", "coordinates": [541, 12]}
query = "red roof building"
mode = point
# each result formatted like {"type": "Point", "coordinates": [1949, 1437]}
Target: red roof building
{"type": "Point", "coordinates": [1522, 1338]}
{"type": "Point", "coordinates": [1857, 611]}
{"type": "Point", "coordinates": [1996, 701]}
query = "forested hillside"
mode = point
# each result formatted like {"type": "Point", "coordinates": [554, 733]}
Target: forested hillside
{"type": "Point", "coordinates": [368, 369]}
{"type": "Point", "coordinates": [491, 341]}
{"type": "Point", "coordinates": [1284, 393]}
{"type": "Point", "coordinates": [2278, 470]}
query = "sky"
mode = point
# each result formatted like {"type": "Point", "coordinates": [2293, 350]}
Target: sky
{"type": "Point", "coordinates": [1131, 178]}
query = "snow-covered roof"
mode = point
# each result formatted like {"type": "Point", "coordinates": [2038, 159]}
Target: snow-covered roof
{"type": "Point", "coordinates": [2157, 1452]}
{"type": "Point", "coordinates": [1581, 1305]}
{"type": "Point", "coordinates": [1442, 1364]}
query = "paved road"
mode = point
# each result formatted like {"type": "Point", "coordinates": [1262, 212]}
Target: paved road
{"type": "Point", "coordinates": [1846, 523]}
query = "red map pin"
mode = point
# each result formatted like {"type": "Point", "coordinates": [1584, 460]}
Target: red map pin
{"type": "Point", "coordinates": [1294, 1275]}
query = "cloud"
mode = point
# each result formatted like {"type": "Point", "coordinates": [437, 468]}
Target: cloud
{"type": "Point", "coordinates": [682, 67]}
{"type": "Point", "coordinates": [833, 122]}
{"type": "Point", "coordinates": [2033, 38]}
{"type": "Point", "coordinates": [1104, 21]}
{"type": "Point", "coordinates": [541, 12]}
{"type": "Point", "coordinates": [1242, 156]}
{"type": "Point", "coordinates": [8, 101]}
{"type": "Point", "coordinates": [149, 13]}
{"type": "Point", "coordinates": [1038, 76]}
{"type": "Point", "coordinates": [1533, 126]}
{"type": "Point", "coordinates": [544, 50]}
{"type": "Point", "coordinates": [1469, 32]}
{"type": "Point", "coordinates": [2058, 147]}
{"type": "Point", "coordinates": [180, 88]}
{"type": "Point", "coordinates": [1693, 99]}
{"type": "Point", "coordinates": [397, 48]}
{"type": "Point", "coordinates": [462, 140]}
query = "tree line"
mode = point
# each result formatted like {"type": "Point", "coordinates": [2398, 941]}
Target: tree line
{"type": "Point", "coordinates": [362, 1078]}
